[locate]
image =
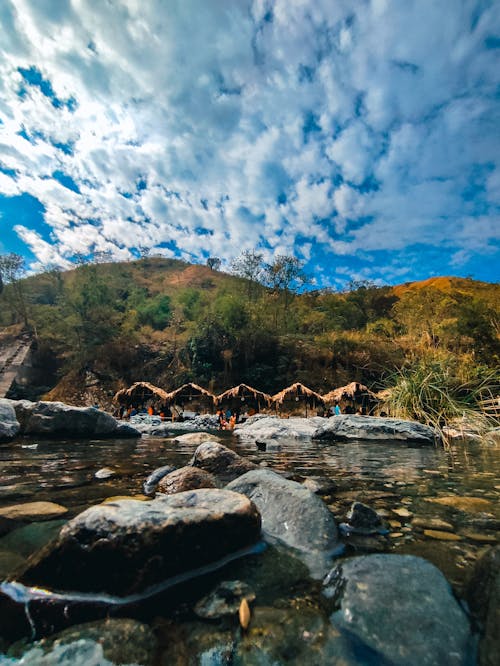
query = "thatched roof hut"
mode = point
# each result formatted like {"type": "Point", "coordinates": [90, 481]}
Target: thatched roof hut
{"type": "Point", "coordinates": [351, 397]}
{"type": "Point", "coordinates": [193, 396]}
{"type": "Point", "coordinates": [139, 393]}
{"type": "Point", "coordinates": [243, 396]}
{"type": "Point", "coordinates": [295, 395]}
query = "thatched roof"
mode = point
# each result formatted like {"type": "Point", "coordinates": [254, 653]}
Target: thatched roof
{"type": "Point", "coordinates": [241, 391]}
{"type": "Point", "coordinates": [188, 392]}
{"type": "Point", "coordinates": [139, 389]}
{"type": "Point", "coordinates": [349, 392]}
{"type": "Point", "coordinates": [294, 391]}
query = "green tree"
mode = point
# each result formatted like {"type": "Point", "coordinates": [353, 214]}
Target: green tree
{"type": "Point", "coordinates": [12, 270]}
{"type": "Point", "coordinates": [249, 266]}
{"type": "Point", "coordinates": [284, 277]}
{"type": "Point", "coordinates": [214, 263]}
{"type": "Point", "coordinates": [156, 312]}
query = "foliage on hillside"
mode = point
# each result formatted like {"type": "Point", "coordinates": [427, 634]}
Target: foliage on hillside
{"type": "Point", "coordinates": [167, 322]}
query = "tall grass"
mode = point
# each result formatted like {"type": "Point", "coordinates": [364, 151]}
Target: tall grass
{"type": "Point", "coordinates": [442, 391]}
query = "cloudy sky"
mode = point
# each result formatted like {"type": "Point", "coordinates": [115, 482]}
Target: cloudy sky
{"type": "Point", "coordinates": [362, 136]}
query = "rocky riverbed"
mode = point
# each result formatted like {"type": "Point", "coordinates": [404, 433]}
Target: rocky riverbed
{"type": "Point", "coordinates": [364, 548]}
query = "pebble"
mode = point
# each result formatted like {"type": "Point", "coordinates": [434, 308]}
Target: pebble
{"type": "Point", "coordinates": [442, 536]}
{"type": "Point", "coordinates": [402, 512]}
{"type": "Point", "coordinates": [432, 524]}
{"type": "Point", "coordinates": [105, 473]}
{"type": "Point", "coordinates": [33, 511]}
{"type": "Point", "coordinates": [480, 538]}
{"type": "Point", "coordinates": [464, 503]}
{"type": "Point", "coordinates": [395, 535]}
{"type": "Point", "coordinates": [394, 523]}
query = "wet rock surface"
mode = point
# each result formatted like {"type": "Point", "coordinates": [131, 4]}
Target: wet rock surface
{"type": "Point", "coordinates": [33, 511]}
{"type": "Point", "coordinates": [56, 419]}
{"type": "Point", "coordinates": [169, 428]}
{"type": "Point", "coordinates": [482, 593]}
{"type": "Point", "coordinates": [9, 425]}
{"type": "Point", "coordinates": [292, 514]}
{"type": "Point", "coordinates": [195, 438]}
{"type": "Point", "coordinates": [362, 519]}
{"type": "Point", "coordinates": [126, 546]}
{"type": "Point", "coordinates": [264, 428]}
{"type": "Point", "coordinates": [115, 641]}
{"type": "Point", "coordinates": [347, 426]}
{"type": "Point", "coordinates": [224, 600]}
{"type": "Point", "coordinates": [220, 461]}
{"type": "Point", "coordinates": [186, 478]}
{"type": "Point", "coordinates": [401, 607]}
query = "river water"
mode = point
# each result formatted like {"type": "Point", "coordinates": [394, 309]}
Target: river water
{"type": "Point", "coordinates": [409, 486]}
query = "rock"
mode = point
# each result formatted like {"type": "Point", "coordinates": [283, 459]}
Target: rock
{"type": "Point", "coordinates": [442, 536]}
{"type": "Point", "coordinates": [482, 593]}
{"type": "Point", "coordinates": [119, 641]}
{"type": "Point", "coordinates": [9, 562]}
{"type": "Point", "coordinates": [402, 512]}
{"type": "Point", "coordinates": [168, 428]}
{"type": "Point", "coordinates": [30, 538]}
{"type": "Point", "coordinates": [195, 438]}
{"type": "Point", "coordinates": [362, 519]}
{"type": "Point", "coordinates": [479, 537]}
{"type": "Point", "coordinates": [127, 546]}
{"type": "Point", "coordinates": [401, 607]}
{"type": "Point", "coordinates": [320, 485]}
{"type": "Point", "coordinates": [217, 459]}
{"type": "Point", "coordinates": [186, 478]}
{"type": "Point", "coordinates": [33, 511]}
{"type": "Point", "coordinates": [9, 425]}
{"type": "Point", "coordinates": [292, 514]}
{"type": "Point", "coordinates": [56, 419]}
{"type": "Point", "coordinates": [105, 473]}
{"type": "Point", "coordinates": [351, 426]}
{"type": "Point", "coordinates": [463, 503]}
{"type": "Point", "coordinates": [115, 498]}
{"type": "Point", "coordinates": [432, 524]}
{"type": "Point", "coordinates": [264, 428]}
{"type": "Point", "coordinates": [151, 483]}
{"type": "Point", "coordinates": [492, 524]}
{"type": "Point", "coordinates": [456, 436]}
{"type": "Point", "coordinates": [224, 600]}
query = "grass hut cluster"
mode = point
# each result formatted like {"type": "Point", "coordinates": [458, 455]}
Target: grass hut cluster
{"type": "Point", "coordinates": [296, 399]}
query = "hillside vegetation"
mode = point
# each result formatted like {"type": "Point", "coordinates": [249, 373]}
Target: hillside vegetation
{"type": "Point", "coordinates": [100, 327]}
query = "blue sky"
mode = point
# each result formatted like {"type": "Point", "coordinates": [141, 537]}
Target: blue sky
{"type": "Point", "coordinates": [362, 136]}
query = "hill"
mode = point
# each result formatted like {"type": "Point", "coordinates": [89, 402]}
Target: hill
{"type": "Point", "coordinates": [100, 327]}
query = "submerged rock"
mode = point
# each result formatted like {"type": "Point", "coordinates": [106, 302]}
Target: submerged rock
{"type": "Point", "coordinates": [463, 503]}
{"type": "Point", "coordinates": [111, 641]}
{"type": "Point", "coordinates": [483, 596]}
{"type": "Point", "coordinates": [347, 426]}
{"type": "Point", "coordinates": [402, 607]}
{"type": "Point", "coordinates": [217, 459]}
{"type": "Point", "coordinates": [224, 600]}
{"type": "Point", "coordinates": [272, 427]}
{"type": "Point", "coordinates": [56, 419]}
{"type": "Point", "coordinates": [292, 514]}
{"type": "Point", "coordinates": [186, 478]}
{"type": "Point", "coordinates": [362, 519]}
{"type": "Point", "coordinates": [127, 546]}
{"type": "Point", "coordinates": [33, 511]}
{"type": "Point", "coordinates": [9, 425]}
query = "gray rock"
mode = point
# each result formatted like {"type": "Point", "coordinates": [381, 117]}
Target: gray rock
{"type": "Point", "coordinates": [56, 419]}
{"type": "Point", "coordinates": [9, 425]}
{"type": "Point", "coordinates": [195, 438]}
{"type": "Point", "coordinates": [105, 473]}
{"type": "Point", "coordinates": [320, 485]}
{"type": "Point", "coordinates": [151, 483]}
{"type": "Point", "coordinates": [272, 427]}
{"type": "Point", "coordinates": [347, 426]}
{"type": "Point", "coordinates": [169, 428]}
{"type": "Point", "coordinates": [293, 515]}
{"type": "Point", "coordinates": [220, 461]}
{"type": "Point", "coordinates": [401, 607]}
{"type": "Point", "coordinates": [186, 478]}
{"type": "Point", "coordinates": [362, 519]}
{"type": "Point", "coordinates": [111, 641]}
{"type": "Point", "coordinates": [224, 600]}
{"type": "Point", "coordinates": [483, 596]}
{"type": "Point", "coordinates": [127, 546]}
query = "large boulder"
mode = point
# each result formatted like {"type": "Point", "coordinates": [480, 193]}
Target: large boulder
{"type": "Point", "coordinates": [352, 426]}
{"type": "Point", "coordinates": [9, 425]}
{"type": "Point", "coordinates": [127, 546]}
{"type": "Point", "coordinates": [483, 596]}
{"type": "Point", "coordinates": [272, 427]}
{"type": "Point", "coordinates": [401, 607]}
{"type": "Point", "coordinates": [293, 515]}
{"type": "Point", "coordinates": [168, 428]}
{"type": "Point", "coordinates": [56, 419]}
{"type": "Point", "coordinates": [186, 478]}
{"type": "Point", "coordinates": [220, 461]}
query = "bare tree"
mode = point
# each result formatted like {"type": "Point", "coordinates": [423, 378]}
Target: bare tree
{"type": "Point", "coordinates": [214, 263]}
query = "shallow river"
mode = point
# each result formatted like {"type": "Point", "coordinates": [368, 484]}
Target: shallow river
{"type": "Point", "coordinates": [401, 482]}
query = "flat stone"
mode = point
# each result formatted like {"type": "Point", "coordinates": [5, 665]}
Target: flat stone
{"type": "Point", "coordinates": [347, 426]}
{"type": "Point", "coordinates": [220, 461]}
{"type": "Point", "coordinates": [442, 536]}
{"type": "Point", "coordinates": [127, 546]}
{"type": "Point", "coordinates": [401, 607]}
{"type": "Point", "coordinates": [33, 511]}
{"type": "Point", "coordinates": [432, 524]}
{"type": "Point", "coordinates": [479, 537]}
{"type": "Point", "coordinates": [264, 427]}
{"type": "Point", "coordinates": [292, 514]}
{"type": "Point", "coordinates": [195, 438]}
{"type": "Point", "coordinates": [402, 512]}
{"type": "Point", "coordinates": [186, 478]}
{"type": "Point", "coordinates": [463, 503]}
{"type": "Point", "coordinates": [115, 498]}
